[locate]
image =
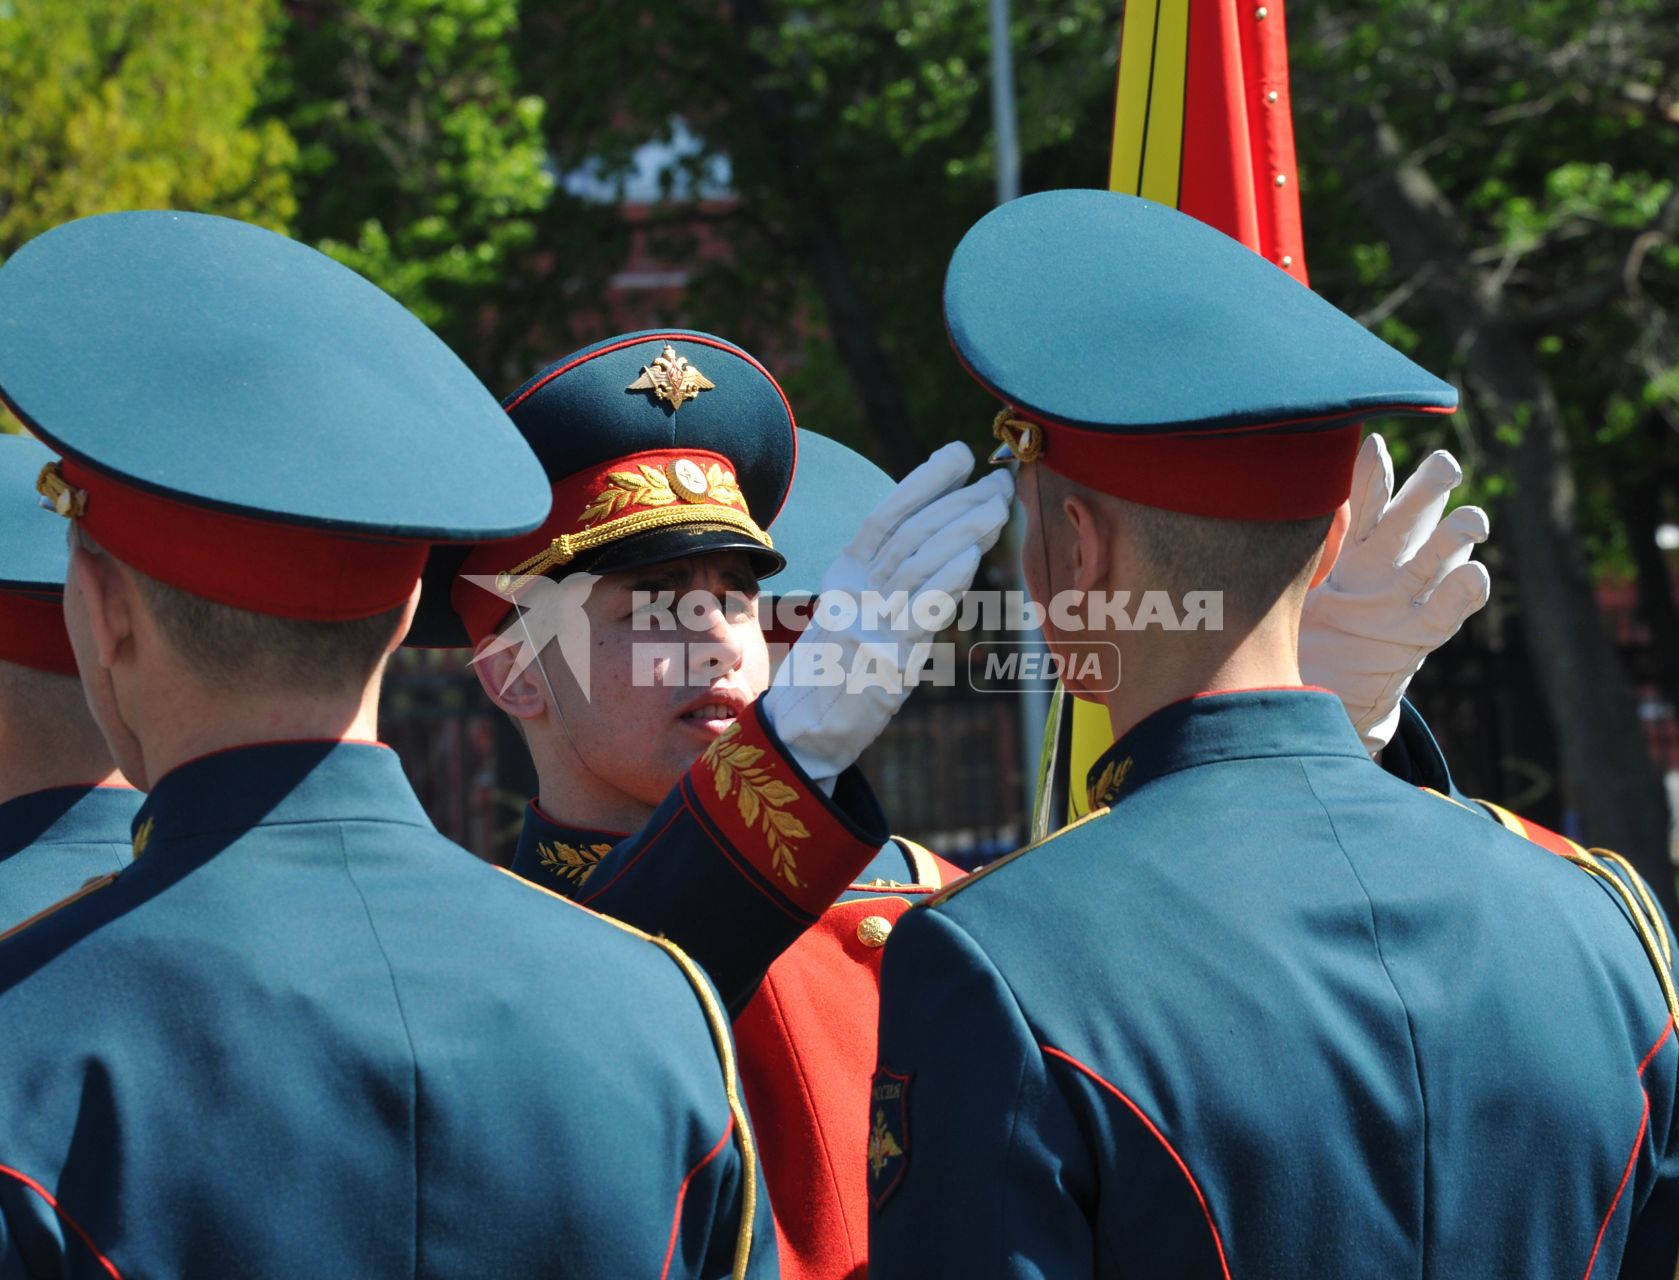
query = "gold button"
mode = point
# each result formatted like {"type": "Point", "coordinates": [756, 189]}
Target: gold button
{"type": "Point", "coordinates": [873, 930]}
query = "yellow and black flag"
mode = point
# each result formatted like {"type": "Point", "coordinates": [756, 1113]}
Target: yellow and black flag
{"type": "Point", "coordinates": [1202, 123]}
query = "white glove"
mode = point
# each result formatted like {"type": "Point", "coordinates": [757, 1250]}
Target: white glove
{"type": "Point", "coordinates": [1403, 585]}
{"type": "Point", "coordinates": [840, 686]}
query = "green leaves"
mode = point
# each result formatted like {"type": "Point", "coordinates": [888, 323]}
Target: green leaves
{"type": "Point", "coordinates": [1549, 127]}
{"type": "Point", "coordinates": [421, 164]}
{"type": "Point", "coordinates": [136, 104]}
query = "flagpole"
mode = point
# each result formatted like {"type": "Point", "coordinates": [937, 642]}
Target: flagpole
{"type": "Point", "coordinates": [1034, 695]}
{"type": "Point", "coordinates": [1002, 104]}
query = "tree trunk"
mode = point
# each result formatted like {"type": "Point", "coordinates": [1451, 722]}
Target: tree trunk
{"type": "Point", "coordinates": [1639, 502]}
{"type": "Point", "coordinates": [1592, 710]}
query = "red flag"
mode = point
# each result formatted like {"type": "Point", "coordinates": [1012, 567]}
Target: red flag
{"type": "Point", "coordinates": [1202, 122]}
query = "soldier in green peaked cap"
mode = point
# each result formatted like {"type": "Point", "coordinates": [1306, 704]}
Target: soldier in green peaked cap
{"type": "Point", "coordinates": [282, 1041]}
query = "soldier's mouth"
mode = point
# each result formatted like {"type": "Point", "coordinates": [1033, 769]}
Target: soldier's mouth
{"type": "Point", "coordinates": [711, 711]}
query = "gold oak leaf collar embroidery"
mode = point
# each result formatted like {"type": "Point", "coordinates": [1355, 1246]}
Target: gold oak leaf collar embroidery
{"type": "Point", "coordinates": [572, 862]}
{"type": "Point", "coordinates": [762, 799]}
{"type": "Point", "coordinates": [1108, 784]}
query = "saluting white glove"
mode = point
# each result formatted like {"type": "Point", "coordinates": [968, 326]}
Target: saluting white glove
{"type": "Point", "coordinates": [1403, 585]}
{"type": "Point", "coordinates": [840, 685]}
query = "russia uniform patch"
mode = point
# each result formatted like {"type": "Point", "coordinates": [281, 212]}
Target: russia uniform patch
{"type": "Point", "coordinates": [888, 1134]}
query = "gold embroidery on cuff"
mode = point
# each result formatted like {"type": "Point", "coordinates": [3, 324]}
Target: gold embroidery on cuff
{"type": "Point", "coordinates": [762, 799]}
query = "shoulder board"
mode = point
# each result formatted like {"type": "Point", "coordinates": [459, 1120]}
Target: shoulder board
{"type": "Point", "coordinates": [718, 1021]}
{"type": "Point", "coordinates": [1532, 832]}
{"type": "Point", "coordinates": [1627, 885]}
{"type": "Point", "coordinates": [92, 886]}
{"type": "Point", "coordinates": [1441, 795]}
{"type": "Point", "coordinates": [1615, 872]}
{"type": "Point", "coordinates": [922, 861]}
{"type": "Point", "coordinates": [946, 894]}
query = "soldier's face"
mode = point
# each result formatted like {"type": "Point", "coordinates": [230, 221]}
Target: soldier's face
{"type": "Point", "coordinates": [657, 697]}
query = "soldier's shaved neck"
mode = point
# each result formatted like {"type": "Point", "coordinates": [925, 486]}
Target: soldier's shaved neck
{"type": "Point", "coordinates": [163, 691]}
{"type": "Point", "coordinates": [1259, 569]}
{"type": "Point", "coordinates": [47, 737]}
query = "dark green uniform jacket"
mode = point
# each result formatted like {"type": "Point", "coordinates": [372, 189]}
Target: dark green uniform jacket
{"type": "Point", "coordinates": [741, 858]}
{"type": "Point", "coordinates": [1274, 1013]}
{"type": "Point", "coordinates": [52, 842]}
{"type": "Point", "coordinates": [304, 1035]}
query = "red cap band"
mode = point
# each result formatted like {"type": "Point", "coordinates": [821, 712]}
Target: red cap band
{"type": "Point", "coordinates": [32, 633]}
{"type": "Point", "coordinates": [653, 489]}
{"type": "Point", "coordinates": [264, 566]}
{"type": "Point", "coordinates": [1260, 474]}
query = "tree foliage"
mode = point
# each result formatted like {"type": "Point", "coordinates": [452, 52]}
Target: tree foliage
{"type": "Point", "coordinates": [1550, 129]}
{"type": "Point", "coordinates": [1495, 190]}
{"type": "Point", "coordinates": [858, 138]}
{"type": "Point", "coordinates": [421, 160]}
{"type": "Point", "coordinates": [136, 104]}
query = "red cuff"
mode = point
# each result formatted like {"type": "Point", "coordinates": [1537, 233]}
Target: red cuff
{"type": "Point", "coordinates": [775, 818]}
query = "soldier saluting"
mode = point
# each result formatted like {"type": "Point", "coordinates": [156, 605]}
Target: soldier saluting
{"type": "Point", "coordinates": [1268, 1011]}
{"type": "Point", "coordinates": [672, 457]}
{"type": "Point", "coordinates": [303, 1033]}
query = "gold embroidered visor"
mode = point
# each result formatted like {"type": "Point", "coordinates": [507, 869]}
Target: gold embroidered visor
{"type": "Point", "coordinates": [655, 489]}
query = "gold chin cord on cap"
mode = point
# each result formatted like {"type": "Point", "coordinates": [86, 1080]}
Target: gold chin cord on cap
{"type": "Point", "coordinates": [1022, 441]}
{"type": "Point", "coordinates": [57, 494]}
{"type": "Point", "coordinates": [567, 547]}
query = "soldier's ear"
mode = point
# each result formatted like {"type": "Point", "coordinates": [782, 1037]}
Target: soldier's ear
{"type": "Point", "coordinates": [106, 598]}
{"type": "Point", "coordinates": [1088, 542]}
{"type": "Point", "coordinates": [1339, 523]}
{"type": "Point", "coordinates": [516, 690]}
{"type": "Point", "coordinates": [408, 612]}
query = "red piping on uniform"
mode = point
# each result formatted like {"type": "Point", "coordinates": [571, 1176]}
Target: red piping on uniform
{"type": "Point", "coordinates": [617, 836]}
{"type": "Point", "coordinates": [1666, 1031]}
{"type": "Point", "coordinates": [1632, 1160]}
{"type": "Point", "coordinates": [1218, 1243]}
{"type": "Point", "coordinates": [70, 1222]}
{"type": "Point", "coordinates": [586, 899]}
{"type": "Point", "coordinates": [682, 1192]}
{"type": "Point", "coordinates": [1258, 688]}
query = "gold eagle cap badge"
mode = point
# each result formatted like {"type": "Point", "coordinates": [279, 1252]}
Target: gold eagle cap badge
{"type": "Point", "coordinates": [672, 379]}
